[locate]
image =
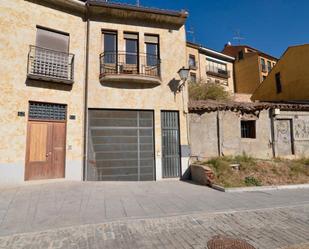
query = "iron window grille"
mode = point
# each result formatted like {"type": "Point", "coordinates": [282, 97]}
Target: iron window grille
{"type": "Point", "coordinates": [47, 111]}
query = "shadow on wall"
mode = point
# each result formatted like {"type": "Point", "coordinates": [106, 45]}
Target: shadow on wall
{"type": "Point", "coordinates": [131, 85]}
{"type": "Point", "coordinates": [174, 85]}
{"type": "Point", "coordinates": [49, 85]}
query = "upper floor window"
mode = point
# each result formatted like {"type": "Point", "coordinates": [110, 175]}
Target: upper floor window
{"type": "Point", "coordinates": [51, 39]}
{"type": "Point", "coordinates": [278, 83]}
{"type": "Point", "coordinates": [131, 48]}
{"type": "Point", "coordinates": [193, 77]}
{"type": "Point", "coordinates": [269, 67]}
{"type": "Point", "coordinates": [192, 62]}
{"type": "Point", "coordinates": [263, 65]}
{"type": "Point", "coordinates": [240, 55]}
{"type": "Point", "coordinates": [216, 67]}
{"type": "Point", "coordinates": [110, 46]}
{"type": "Point", "coordinates": [152, 50]}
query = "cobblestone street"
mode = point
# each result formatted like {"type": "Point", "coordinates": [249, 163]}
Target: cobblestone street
{"type": "Point", "coordinates": [168, 214]}
{"type": "Point", "coordinates": [269, 228]}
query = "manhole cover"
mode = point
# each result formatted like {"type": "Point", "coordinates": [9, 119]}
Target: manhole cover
{"type": "Point", "coordinates": [222, 242]}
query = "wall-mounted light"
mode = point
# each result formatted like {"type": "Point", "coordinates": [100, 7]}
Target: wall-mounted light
{"type": "Point", "coordinates": [183, 74]}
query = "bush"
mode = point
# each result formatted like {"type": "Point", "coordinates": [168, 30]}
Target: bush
{"type": "Point", "coordinates": [252, 181]}
{"type": "Point", "coordinates": [204, 91]}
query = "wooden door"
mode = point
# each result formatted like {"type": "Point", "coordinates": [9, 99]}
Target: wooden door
{"type": "Point", "coordinates": [284, 137]}
{"type": "Point", "coordinates": [45, 154]}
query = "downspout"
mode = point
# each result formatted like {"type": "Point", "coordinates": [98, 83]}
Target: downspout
{"type": "Point", "coordinates": [86, 94]}
{"type": "Point", "coordinates": [272, 129]}
{"type": "Point", "coordinates": [219, 133]}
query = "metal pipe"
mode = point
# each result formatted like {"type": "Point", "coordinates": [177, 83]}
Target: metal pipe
{"type": "Point", "coordinates": [219, 133]}
{"type": "Point", "coordinates": [86, 94]}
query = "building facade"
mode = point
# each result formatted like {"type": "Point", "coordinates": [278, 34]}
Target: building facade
{"type": "Point", "coordinates": [289, 79]}
{"type": "Point", "coordinates": [261, 130]}
{"type": "Point", "coordinates": [90, 91]}
{"type": "Point", "coordinates": [210, 66]}
{"type": "Point", "coordinates": [251, 67]}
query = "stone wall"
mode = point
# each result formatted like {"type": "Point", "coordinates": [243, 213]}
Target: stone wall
{"type": "Point", "coordinates": [211, 132]}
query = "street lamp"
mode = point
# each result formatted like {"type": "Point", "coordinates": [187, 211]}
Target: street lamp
{"type": "Point", "coordinates": [183, 74]}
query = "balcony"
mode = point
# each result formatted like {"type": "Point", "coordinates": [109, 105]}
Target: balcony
{"type": "Point", "coordinates": [130, 67]}
{"type": "Point", "coordinates": [214, 71]}
{"type": "Point", "coordinates": [49, 65]}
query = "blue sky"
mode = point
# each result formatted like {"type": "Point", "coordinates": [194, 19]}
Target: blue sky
{"type": "Point", "coordinates": [268, 25]}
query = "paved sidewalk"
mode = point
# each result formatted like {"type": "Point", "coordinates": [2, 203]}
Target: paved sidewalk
{"type": "Point", "coordinates": [61, 204]}
{"type": "Point", "coordinates": [264, 229]}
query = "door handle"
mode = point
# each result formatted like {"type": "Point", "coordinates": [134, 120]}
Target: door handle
{"type": "Point", "coordinates": [47, 154]}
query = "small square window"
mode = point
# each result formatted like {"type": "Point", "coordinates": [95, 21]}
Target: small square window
{"type": "Point", "coordinates": [193, 77]}
{"type": "Point", "coordinates": [192, 62]}
{"type": "Point", "coordinates": [248, 129]}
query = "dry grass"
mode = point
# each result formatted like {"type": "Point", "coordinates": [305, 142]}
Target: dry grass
{"type": "Point", "coordinates": [254, 172]}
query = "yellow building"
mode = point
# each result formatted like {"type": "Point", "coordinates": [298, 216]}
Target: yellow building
{"type": "Point", "coordinates": [289, 79]}
{"type": "Point", "coordinates": [210, 66]}
{"type": "Point", "coordinates": [251, 67]}
{"type": "Point", "coordinates": [89, 91]}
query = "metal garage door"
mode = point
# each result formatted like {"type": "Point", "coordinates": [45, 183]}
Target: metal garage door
{"type": "Point", "coordinates": [120, 146]}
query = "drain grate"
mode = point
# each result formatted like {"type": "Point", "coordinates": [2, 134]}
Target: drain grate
{"type": "Point", "coordinates": [222, 242]}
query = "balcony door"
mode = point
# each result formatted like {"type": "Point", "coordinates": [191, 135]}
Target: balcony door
{"type": "Point", "coordinates": [152, 55]}
{"type": "Point", "coordinates": [131, 65]}
{"type": "Point", "coordinates": [51, 54]}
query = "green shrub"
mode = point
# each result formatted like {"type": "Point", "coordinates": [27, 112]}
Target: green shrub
{"type": "Point", "coordinates": [204, 91]}
{"type": "Point", "coordinates": [252, 181]}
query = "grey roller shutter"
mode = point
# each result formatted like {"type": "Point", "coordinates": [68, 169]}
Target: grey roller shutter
{"type": "Point", "coordinates": [52, 40]}
{"type": "Point", "coordinates": [120, 145]}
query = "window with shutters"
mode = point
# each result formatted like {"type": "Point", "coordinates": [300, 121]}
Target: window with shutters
{"type": "Point", "coordinates": [49, 59]}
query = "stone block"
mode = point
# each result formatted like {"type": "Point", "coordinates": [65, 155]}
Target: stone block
{"type": "Point", "coordinates": [202, 174]}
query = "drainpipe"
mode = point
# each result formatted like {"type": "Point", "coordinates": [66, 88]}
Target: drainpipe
{"type": "Point", "coordinates": [272, 129]}
{"type": "Point", "coordinates": [86, 94]}
{"type": "Point", "coordinates": [219, 133]}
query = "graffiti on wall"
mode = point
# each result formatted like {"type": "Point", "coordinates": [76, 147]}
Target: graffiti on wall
{"type": "Point", "coordinates": [301, 129]}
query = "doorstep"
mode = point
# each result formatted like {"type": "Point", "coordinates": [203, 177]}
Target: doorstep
{"type": "Point", "coordinates": [261, 188]}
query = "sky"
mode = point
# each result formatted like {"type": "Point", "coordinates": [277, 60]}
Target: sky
{"type": "Point", "coordinates": [268, 25]}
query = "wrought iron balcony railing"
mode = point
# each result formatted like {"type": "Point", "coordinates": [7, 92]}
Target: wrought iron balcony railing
{"type": "Point", "coordinates": [124, 63]}
{"type": "Point", "coordinates": [218, 72]}
{"type": "Point", "coordinates": [50, 65]}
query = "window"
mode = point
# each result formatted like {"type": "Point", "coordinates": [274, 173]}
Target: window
{"type": "Point", "coordinates": [51, 39]}
{"type": "Point", "coordinates": [269, 66]}
{"type": "Point", "coordinates": [193, 77]}
{"type": "Point", "coordinates": [110, 46]}
{"type": "Point", "coordinates": [216, 67]}
{"type": "Point", "coordinates": [278, 83]}
{"type": "Point", "coordinates": [131, 43]}
{"type": "Point", "coordinates": [263, 65]}
{"type": "Point", "coordinates": [248, 129]}
{"type": "Point", "coordinates": [240, 55]}
{"type": "Point", "coordinates": [152, 50]}
{"type": "Point", "coordinates": [192, 62]}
